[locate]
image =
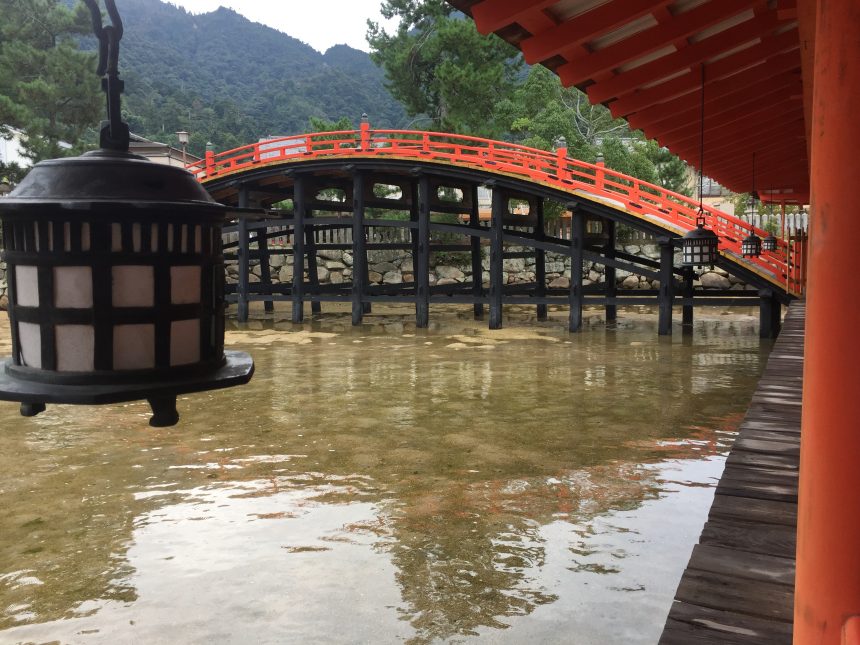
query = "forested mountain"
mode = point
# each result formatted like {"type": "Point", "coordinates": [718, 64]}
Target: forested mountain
{"type": "Point", "coordinates": [228, 80]}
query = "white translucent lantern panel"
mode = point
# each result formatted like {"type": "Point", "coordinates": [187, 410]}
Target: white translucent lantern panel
{"type": "Point", "coordinates": [30, 341]}
{"type": "Point", "coordinates": [184, 342]}
{"type": "Point", "coordinates": [133, 347]}
{"type": "Point", "coordinates": [133, 286]}
{"type": "Point", "coordinates": [75, 348]}
{"type": "Point", "coordinates": [73, 287]}
{"type": "Point", "coordinates": [26, 286]}
{"type": "Point", "coordinates": [115, 237]}
{"type": "Point", "coordinates": [185, 285]}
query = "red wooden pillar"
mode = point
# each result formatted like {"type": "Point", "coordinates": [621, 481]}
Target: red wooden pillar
{"type": "Point", "coordinates": [828, 550]}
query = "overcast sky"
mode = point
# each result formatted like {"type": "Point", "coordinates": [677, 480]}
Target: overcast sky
{"type": "Point", "coordinates": [319, 23]}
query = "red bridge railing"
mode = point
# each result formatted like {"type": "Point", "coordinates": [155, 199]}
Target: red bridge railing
{"type": "Point", "coordinates": [783, 267]}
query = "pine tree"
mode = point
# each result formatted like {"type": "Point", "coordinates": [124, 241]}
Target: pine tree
{"type": "Point", "coordinates": [441, 69]}
{"type": "Point", "coordinates": [48, 87]}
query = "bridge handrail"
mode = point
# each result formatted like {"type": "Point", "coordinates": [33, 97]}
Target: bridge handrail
{"type": "Point", "coordinates": [782, 266]}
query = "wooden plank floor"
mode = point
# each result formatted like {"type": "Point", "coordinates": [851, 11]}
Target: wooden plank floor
{"type": "Point", "coordinates": [739, 584]}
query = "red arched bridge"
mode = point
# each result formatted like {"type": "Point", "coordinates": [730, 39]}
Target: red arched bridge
{"type": "Point", "coordinates": [333, 180]}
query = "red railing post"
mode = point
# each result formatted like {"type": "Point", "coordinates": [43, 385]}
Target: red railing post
{"type": "Point", "coordinates": [561, 158]}
{"type": "Point", "coordinates": [365, 133]}
{"type": "Point", "coordinates": [599, 174]}
{"type": "Point", "coordinates": [210, 160]}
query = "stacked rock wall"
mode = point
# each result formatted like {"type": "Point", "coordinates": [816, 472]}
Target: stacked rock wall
{"type": "Point", "coordinates": [396, 267]}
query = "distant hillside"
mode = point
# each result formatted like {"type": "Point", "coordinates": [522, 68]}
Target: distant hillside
{"type": "Point", "coordinates": [229, 80]}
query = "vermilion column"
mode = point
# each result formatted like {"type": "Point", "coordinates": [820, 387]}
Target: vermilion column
{"type": "Point", "coordinates": [828, 550]}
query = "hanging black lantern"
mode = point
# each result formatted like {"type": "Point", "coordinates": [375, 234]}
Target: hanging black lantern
{"type": "Point", "coordinates": [769, 243]}
{"type": "Point", "coordinates": [115, 274]}
{"type": "Point", "coordinates": [751, 246]}
{"type": "Point", "coordinates": [699, 246]}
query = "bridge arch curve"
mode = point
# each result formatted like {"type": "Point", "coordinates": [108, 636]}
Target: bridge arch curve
{"type": "Point", "coordinates": [353, 163]}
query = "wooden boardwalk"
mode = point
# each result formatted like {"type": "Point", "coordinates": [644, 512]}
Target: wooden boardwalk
{"type": "Point", "coordinates": [739, 584]}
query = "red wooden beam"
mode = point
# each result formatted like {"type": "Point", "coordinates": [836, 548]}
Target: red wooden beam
{"type": "Point", "coordinates": [566, 37]}
{"type": "Point", "coordinates": [714, 72]}
{"type": "Point", "coordinates": [650, 40]}
{"type": "Point", "coordinates": [738, 161]}
{"type": "Point", "coordinates": [493, 15]}
{"type": "Point", "coordinates": [727, 135]}
{"type": "Point", "coordinates": [694, 54]}
{"type": "Point", "coordinates": [776, 166]}
{"type": "Point", "coordinates": [735, 169]}
{"type": "Point", "coordinates": [716, 157]}
{"type": "Point", "coordinates": [743, 106]}
{"type": "Point", "coordinates": [719, 92]}
{"type": "Point", "coordinates": [782, 160]}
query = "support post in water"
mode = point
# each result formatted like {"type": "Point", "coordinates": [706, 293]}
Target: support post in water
{"type": "Point", "coordinates": [422, 262]}
{"type": "Point", "coordinates": [359, 248]}
{"type": "Point", "coordinates": [244, 259]}
{"type": "Point", "coordinates": [496, 259]}
{"type": "Point", "coordinates": [667, 282]}
{"type": "Point", "coordinates": [265, 268]}
{"type": "Point", "coordinates": [313, 274]}
{"type": "Point", "coordinates": [298, 290]}
{"type": "Point", "coordinates": [687, 308]}
{"type": "Point", "coordinates": [577, 237]}
{"type": "Point", "coordinates": [540, 260]}
{"type": "Point", "coordinates": [611, 289]}
{"type": "Point", "coordinates": [477, 264]}
{"type": "Point", "coordinates": [770, 314]}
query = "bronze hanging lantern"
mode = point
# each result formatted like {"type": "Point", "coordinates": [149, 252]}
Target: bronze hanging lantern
{"type": "Point", "coordinates": [699, 247]}
{"type": "Point", "coordinates": [115, 274]}
{"type": "Point", "coordinates": [769, 243]}
{"type": "Point", "coordinates": [751, 246]}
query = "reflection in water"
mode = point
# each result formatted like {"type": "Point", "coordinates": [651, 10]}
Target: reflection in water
{"type": "Point", "coordinates": [381, 484]}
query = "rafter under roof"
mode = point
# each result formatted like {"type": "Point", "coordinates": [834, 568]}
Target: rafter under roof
{"type": "Point", "coordinates": [643, 59]}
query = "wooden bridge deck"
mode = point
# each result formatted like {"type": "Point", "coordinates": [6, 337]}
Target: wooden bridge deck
{"type": "Point", "coordinates": [738, 587]}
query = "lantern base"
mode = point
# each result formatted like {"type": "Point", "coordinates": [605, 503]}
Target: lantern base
{"type": "Point", "coordinates": [237, 369]}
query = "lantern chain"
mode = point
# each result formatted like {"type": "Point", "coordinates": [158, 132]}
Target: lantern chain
{"type": "Point", "coordinates": [114, 134]}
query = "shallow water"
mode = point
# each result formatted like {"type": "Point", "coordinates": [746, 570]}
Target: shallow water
{"type": "Point", "coordinates": [382, 484]}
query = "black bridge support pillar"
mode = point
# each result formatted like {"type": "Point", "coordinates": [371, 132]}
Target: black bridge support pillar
{"type": "Point", "coordinates": [422, 261]}
{"type": "Point", "coordinates": [687, 309]}
{"type": "Point", "coordinates": [770, 315]}
{"type": "Point", "coordinates": [667, 283]}
{"type": "Point", "coordinates": [311, 252]}
{"type": "Point", "coordinates": [243, 255]}
{"type": "Point", "coordinates": [610, 288]}
{"type": "Point", "coordinates": [265, 266]}
{"type": "Point", "coordinates": [496, 258]}
{"type": "Point", "coordinates": [540, 261]}
{"type": "Point", "coordinates": [477, 264]}
{"type": "Point", "coordinates": [577, 238]}
{"type": "Point", "coordinates": [359, 249]}
{"type": "Point", "coordinates": [298, 290]}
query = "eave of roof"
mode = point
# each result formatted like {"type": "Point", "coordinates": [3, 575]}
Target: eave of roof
{"type": "Point", "coordinates": [644, 60]}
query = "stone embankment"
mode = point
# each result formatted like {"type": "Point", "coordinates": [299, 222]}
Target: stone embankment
{"type": "Point", "coordinates": [396, 267]}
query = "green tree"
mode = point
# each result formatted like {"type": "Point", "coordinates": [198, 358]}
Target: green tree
{"type": "Point", "coordinates": [48, 86]}
{"type": "Point", "coordinates": [540, 110]}
{"type": "Point", "coordinates": [440, 68]}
